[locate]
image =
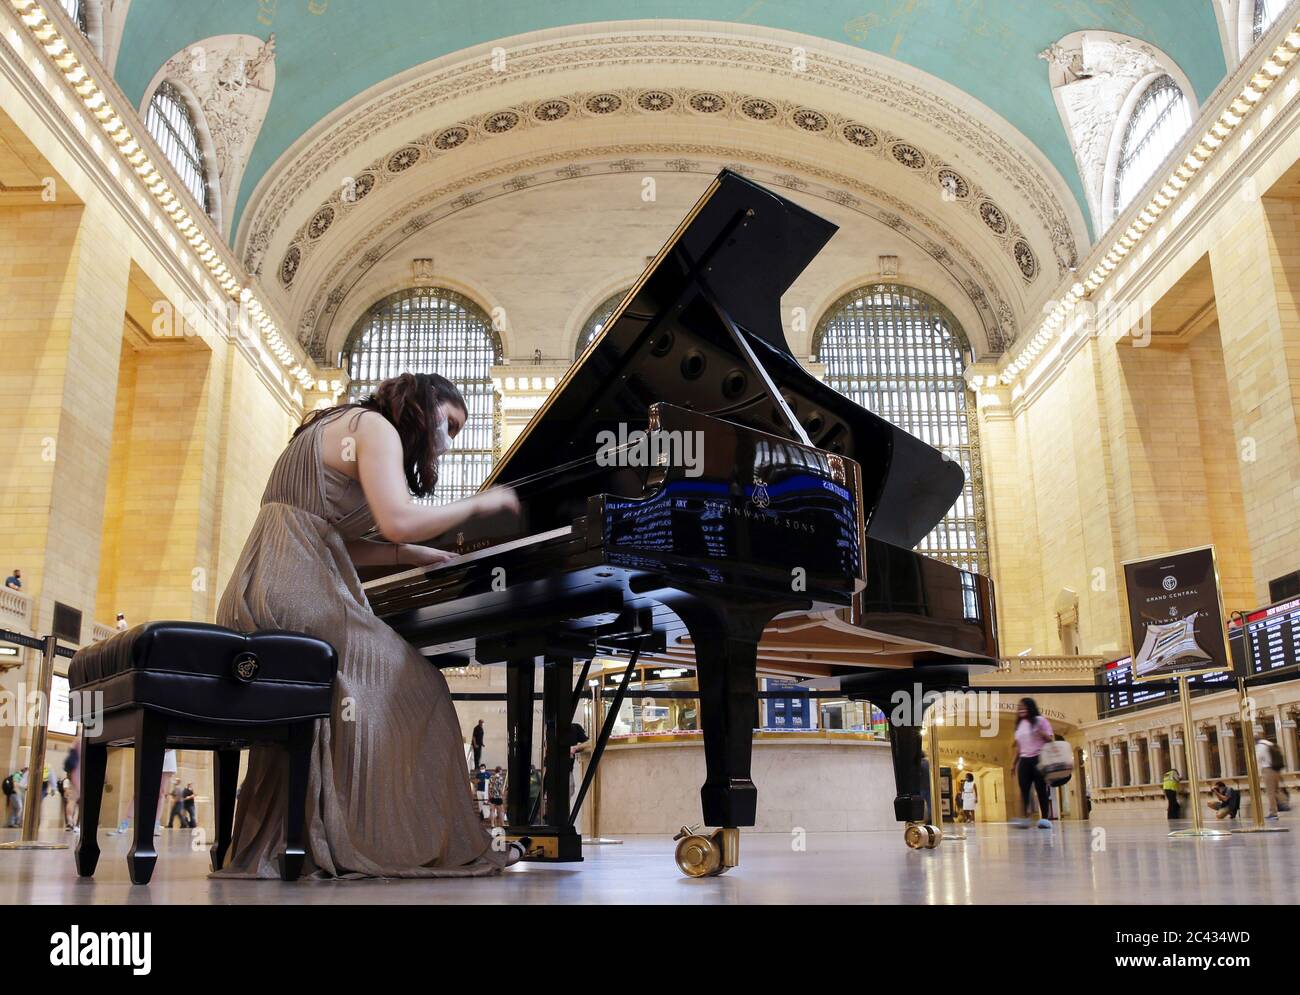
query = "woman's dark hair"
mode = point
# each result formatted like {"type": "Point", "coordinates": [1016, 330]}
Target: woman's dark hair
{"type": "Point", "coordinates": [410, 402]}
{"type": "Point", "coordinates": [1031, 707]}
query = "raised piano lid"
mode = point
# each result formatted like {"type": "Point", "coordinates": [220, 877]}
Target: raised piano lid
{"type": "Point", "coordinates": [738, 250]}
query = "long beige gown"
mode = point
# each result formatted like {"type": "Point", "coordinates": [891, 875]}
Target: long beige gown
{"type": "Point", "coordinates": [388, 794]}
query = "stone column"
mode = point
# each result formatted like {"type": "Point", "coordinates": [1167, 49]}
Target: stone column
{"type": "Point", "coordinates": [1202, 748]}
{"type": "Point", "coordinates": [1254, 267]}
{"type": "Point", "coordinates": [1177, 751]}
{"type": "Point", "coordinates": [67, 289]}
{"type": "Point", "coordinates": [1096, 764]}
{"type": "Point", "coordinates": [1227, 747]}
{"type": "Point", "coordinates": [1286, 734]}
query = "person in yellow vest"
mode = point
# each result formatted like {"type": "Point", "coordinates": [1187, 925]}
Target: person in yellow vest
{"type": "Point", "coordinates": [1170, 785]}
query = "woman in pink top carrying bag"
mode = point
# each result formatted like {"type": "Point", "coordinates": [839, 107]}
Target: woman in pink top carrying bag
{"type": "Point", "coordinates": [1032, 732]}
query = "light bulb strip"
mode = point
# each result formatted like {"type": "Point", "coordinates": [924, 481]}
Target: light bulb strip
{"type": "Point", "coordinates": [34, 17]}
{"type": "Point", "coordinates": [1207, 146]}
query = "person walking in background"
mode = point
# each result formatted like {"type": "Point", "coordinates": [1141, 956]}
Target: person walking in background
{"type": "Point", "coordinates": [969, 798]}
{"type": "Point", "coordinates": [497, 797]}
{"type": "Point", "coordinates": [1170, 787]}
{"type": "Point", "coordinates": [166, 784]}
{"type": "Point", "coordinates": [121, 624]}
{"type": "Point", "coordinates": [1032, 732]}
{"type": "Point", "coordinates": [481, 778]}
{"type": "Point", "coordinates": [177, 795]}
{"type": "Point", "coordinates": [13, 804]}
{"type": "Point", "coordinates": [191, 811]}
{"type": "Point", "coordinates": [15, 580]}
{"type": "Point", "coordinates": [71, 786]}
{"type": "Point", "coordinates": [476, 740]}
{"type": "Point", "coordinates": [1270, 761]}
{"type": "Point", "coordinates": [20, 792]}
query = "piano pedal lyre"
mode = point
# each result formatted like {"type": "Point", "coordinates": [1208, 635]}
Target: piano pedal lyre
{"type": "Point", "coordinates": [922, 836]}
{"type": "Point", "coordinates": [699, 855]}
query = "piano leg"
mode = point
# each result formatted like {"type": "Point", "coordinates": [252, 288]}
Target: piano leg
{"type": "Point", "coordinates": [519, 739]}
{"type": "Point", "coordinates": [904, 696]}
{"type": "Point", "coordinates": [726, 648]}
{"type": "Point", "coordinates": [557, 692]}
{"type": "Point", "coordinates": [553, 839]}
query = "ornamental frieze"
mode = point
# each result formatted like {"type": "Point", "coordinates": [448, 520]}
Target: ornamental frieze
{"type": "Point", "coordinates": [996, 315]}
{"type": "Point", "coordinates": [321, 156]}
{"type": "Point", "coordinates": [952, 186]}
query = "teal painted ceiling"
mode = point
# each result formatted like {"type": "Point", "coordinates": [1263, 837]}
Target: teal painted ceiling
{"type": "Point", "coordinates": [328, 51]}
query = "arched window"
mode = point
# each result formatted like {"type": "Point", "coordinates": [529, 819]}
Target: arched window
{"type": "Point", "coordinates": [899, 353]}
{"type": "Point", "coordinates": [1266, 12]}
{"type": "Point", "coordinates": [435, 330]}
{"type": "Point", "coordinates": [1160, 118]}
{"type": "Point", "coordinates": [172, 126]}
{"type": "Point", "coordinates": [76, 9]}
{"type": "Point", "coordinates": [596, 322]}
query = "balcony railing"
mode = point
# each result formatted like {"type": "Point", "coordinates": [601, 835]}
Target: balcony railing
{"type": "Point", "coordinates": [1057, 666]}
{"type": "Point", "coordinates": [15, 610]}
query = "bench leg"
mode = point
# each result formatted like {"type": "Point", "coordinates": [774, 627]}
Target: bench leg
{"type": "Point", "coordinates": [225, 779]}
{"type": "Point", "coordinates": [150, 742]}
{"type": "Point", "coordinates": [301, 735]}
{"type": "Point", "coordinates": [94, 763]}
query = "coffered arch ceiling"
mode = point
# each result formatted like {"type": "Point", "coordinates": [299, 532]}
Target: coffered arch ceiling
{"type": "Point", "coordinates": [932, 118]}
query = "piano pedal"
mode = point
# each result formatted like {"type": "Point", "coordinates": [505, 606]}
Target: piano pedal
{"type": "Point", "coordinates": [545, 844]}
{"type": "Point", "coordinates": [922, 836]}
{"type": "Point", "coordinates": [700, 855]}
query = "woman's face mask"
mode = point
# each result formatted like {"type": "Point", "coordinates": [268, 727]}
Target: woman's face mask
{"type": "Point", "coordinates": [441, 438]}
{"type": "Point", "coordinates": [445, 429]}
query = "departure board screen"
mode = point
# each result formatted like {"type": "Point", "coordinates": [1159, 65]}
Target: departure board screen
{"type": "Point", "coordinates": [1123, 695]}
{"type": "Point", "coordinates": [1272, 635]}
{"type": "Point", "coordinates": [1274, 644]}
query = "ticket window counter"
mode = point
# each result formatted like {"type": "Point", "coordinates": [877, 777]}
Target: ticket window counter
{"type": "Point", "coordinates": [648, 716]}
{"type": "Point", "coordinates": [656, 716]}
{"type": "Point", "coordinates": [854, 716]}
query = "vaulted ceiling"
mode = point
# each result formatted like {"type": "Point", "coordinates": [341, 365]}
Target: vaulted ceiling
{"type": "Point", "coordinates": [329, 51]}
{"type": "Point", "coordinates": [928, 125]}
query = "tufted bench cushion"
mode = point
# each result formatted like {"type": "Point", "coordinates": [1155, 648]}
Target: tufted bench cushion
{"type": "Point", "coordinates": [206, 672]}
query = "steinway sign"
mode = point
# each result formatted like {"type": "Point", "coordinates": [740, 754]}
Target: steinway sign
{"type": "Point", "coordinates": [1176, 623]}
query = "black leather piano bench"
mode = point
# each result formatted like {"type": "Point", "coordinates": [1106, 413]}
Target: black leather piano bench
{"type": "Point", "coordinates": [194, 686]}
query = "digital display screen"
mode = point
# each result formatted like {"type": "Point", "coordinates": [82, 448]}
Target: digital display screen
{"type": "Point", "coordinates": [1274, 644]}
{"type": "Point", "coordinates": [1122, 695]}
{"type": "Point", "coordinates": [1272, 637]}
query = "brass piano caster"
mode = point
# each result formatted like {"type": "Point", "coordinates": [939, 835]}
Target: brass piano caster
{"type": "Point", "coordinates": [922, 836]}
{"type": "Point", "coordinates": [701, 856]}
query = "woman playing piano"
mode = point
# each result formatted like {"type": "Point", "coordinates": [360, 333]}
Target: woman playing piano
{"type": "Point", "coordinates": [387, 794]}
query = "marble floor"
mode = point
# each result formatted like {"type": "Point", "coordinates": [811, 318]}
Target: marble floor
{"type": "Point", "coordinates": [1072, 863]}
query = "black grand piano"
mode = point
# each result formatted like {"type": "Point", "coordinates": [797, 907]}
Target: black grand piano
{"type": "Point", "coordinates": [762, 520]}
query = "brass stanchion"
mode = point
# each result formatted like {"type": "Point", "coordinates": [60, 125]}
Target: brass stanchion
{"type": "Point", "coordinates": [36, 761]}
{"type": "Point", "coordinates": [597, 722]}
{"type": "Point", "coordinates": [1193, 771]}
{"type": "Point", "coordinates": [956, 833]}
{"type": "Point", "coordinates": [1248, 734]}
